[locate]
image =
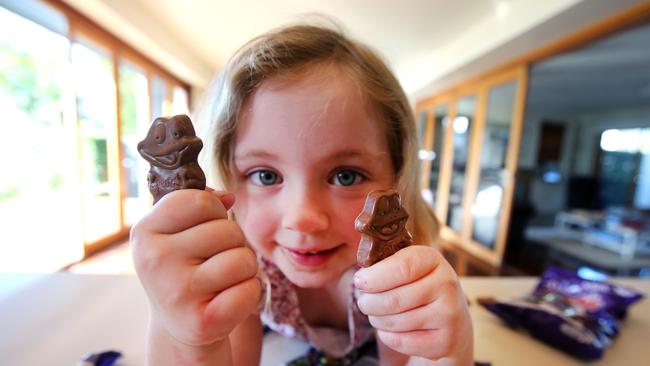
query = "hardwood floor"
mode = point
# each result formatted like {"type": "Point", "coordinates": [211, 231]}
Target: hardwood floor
{"type": "Point", "coordinates": [115, 260]}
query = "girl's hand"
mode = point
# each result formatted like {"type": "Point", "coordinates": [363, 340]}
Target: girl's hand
{"type": "Point", "coordinates": [414, 301]}
{"type": "Point", "coordinates": [197, 272]}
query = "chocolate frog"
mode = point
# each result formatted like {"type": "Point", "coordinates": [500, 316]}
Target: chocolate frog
{"type": "Point", "coordinates": [382, 224]}
{"type": "Point", "coordinates": [172, 149]}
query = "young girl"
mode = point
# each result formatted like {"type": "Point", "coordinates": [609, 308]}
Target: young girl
{"type": "Point", "coordinates": [303, 124]}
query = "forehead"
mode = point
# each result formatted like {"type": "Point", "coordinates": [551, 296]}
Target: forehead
{"type": "Point", "coordinates": [321, 109]}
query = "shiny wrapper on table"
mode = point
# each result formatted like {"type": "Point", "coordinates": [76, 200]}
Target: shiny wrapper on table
{"type": "Point", "coordinates": [576, 315]}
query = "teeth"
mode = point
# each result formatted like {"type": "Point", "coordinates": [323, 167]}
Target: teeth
{"type": "Point", "coordinates": [308, 253]}
{"type": "Point", "coordinates": [303, 252]}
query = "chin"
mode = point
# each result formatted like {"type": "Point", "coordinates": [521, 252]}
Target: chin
{"type": "Point", "coordinates": [311, 279]}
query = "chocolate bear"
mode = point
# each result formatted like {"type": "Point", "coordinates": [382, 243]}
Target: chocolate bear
{"type": "Point", "coordinates": [172, 149]}
{"type": "Point", "coordinates": [382, 224]}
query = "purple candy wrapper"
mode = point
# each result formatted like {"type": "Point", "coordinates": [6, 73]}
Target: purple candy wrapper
{"type": "Point", "coordinates": [570, 313]}
{"type": "Point", "coordinates": [591, 295]}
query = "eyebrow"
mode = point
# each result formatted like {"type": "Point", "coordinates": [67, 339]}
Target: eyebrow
{"type": "Point", "coordinates": [347, 153]}
{"type": "Point", "coordinates": [254, 154]}
{"type": "Point", "coordinates": [355, 153]}
{"type": "Point", "coordinates": [342, 154]}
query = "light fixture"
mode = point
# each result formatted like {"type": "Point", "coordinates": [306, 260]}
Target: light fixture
{"type": "Point", "coordinates": [461, 123]}
{"type": "Point", "coordinates": [502, 9]}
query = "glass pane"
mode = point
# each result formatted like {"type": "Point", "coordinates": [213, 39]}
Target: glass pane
{"type": "Point", "coordinates": [158, 92]}
{"type": "Point", "coordinates": [180, 102]}
{"type": "Point", "coordinates": [96, 115]}
{"type": "Point", "coordinates": [439, 126]}
{"type": "Point", "coordinates": [421, 127]}
{"type": "Point", "coordinates": [134, 119]}
{"type": "Point", "coordinates": [623, 168]}
{"type": "Point", "coordinates": [39, 199]}
{"type": "Point", "coordinates": [486, 209]}
{"type": "Point", "coordinates": [462, 126]}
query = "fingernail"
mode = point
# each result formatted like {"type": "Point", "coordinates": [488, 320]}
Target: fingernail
{"type": "Point", "coordinates": [358, 280]}
{"type": "Point", "coordinates": [227, 198]}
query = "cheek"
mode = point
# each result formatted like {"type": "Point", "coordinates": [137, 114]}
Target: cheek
{"type": "Point", "coordinates": [256, 224]}
{"type": "Point", "coordinates": [346, 216]}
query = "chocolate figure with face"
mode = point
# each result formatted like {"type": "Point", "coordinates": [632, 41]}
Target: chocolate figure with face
{"type": "Point", "coordinates": [382, 224]}
{"type": "Point", "coordinates": [172, 149]}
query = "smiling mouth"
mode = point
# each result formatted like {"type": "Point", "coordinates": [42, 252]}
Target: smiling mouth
{"type": "Point", "coordinates": [319, 252]}
{"type": "Point", "coordinates": [309, 258]}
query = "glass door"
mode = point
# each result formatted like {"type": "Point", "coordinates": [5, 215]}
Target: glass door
{"type": "Point", "coordinates": [134, 124]}
{"type": "Point", "coordinates": [487, 202]}
{"type": "Point", "coordinates": [440, 122]}
{"type": "Point", "coordinates": [461, 127]}
{"type": "Point", "coordinates": [97, 140]}
{"type": "Point", "coordinates": [422, 127]}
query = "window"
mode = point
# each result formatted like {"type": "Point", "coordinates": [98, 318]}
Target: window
{"type": "Point", "coordinates": [74, 180]}
{"type": "Point", "coordinates": [97, 138]}
{"type": "Point", "coordinates": [584, 172]}
{"type": "Point", "coordinates": [134, 123]}
{"type": "Point", "coordinates": [39, 204]}
{"type": "Point", "coordinates": [624, 167]}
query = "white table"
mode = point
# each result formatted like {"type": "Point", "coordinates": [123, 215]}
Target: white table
{"type": "Point", "coordinates": [562, 249]}
{"type": "Point", "coordinates": [55, 319]}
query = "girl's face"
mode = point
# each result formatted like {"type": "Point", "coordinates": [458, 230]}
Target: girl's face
{"type": "Point", "coordinates": [307, 152]}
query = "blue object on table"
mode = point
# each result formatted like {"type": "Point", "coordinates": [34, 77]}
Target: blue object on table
{"type": "Point", "coordinates": [107, 358]}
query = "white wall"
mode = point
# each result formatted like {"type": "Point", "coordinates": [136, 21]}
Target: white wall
{"type": "Point", "coordinates": [548, 198]}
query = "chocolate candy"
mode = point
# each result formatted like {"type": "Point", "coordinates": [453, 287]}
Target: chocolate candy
{"type": "Point", "coordinates": [172, 149]}
{"type": "Point", "coordinates": [382, 224]}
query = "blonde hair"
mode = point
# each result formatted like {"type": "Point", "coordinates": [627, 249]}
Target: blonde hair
{"type": "Point", "coordinates": [290, 50]}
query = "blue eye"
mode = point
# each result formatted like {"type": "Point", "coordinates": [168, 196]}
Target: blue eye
{"type": "Point", "coordinates": [346, 177]}
{"type": "Point", "coordinates": [264, 177]}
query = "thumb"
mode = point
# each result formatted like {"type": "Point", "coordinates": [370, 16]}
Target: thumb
{"type": "Point", "coordinates": [226, 198]}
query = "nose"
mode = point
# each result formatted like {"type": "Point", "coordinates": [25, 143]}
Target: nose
{"type": "Point", "coordinates": [305, 212]}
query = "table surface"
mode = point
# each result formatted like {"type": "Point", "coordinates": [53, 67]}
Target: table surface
{"type": "Point", "coordinates": [55, 319]}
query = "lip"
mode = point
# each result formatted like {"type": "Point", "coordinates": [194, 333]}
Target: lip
{"type": "Point", "coordinates": [310, 259]}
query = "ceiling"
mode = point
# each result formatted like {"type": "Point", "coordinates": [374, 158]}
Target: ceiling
{"type": "Point", "coordinates": [218, 28]}
{"type": "Point", "coordinates": [428, 43]}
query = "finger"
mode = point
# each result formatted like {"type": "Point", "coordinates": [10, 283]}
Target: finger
{"type": "Point", "coordinates": [400, 299]}
{"type": "Point", "coordinates": [227, 198]}
{"type": "Point", "coordinates": [431, 344]}
{"type": "Point", "coordinates": [209, 238]}
{"type": "Point", "coordinates": [224, 270]}
{"type": "Point", "coordinates": [182, 209]}
{"type": "Point", "coordinates": [407, 265]}
{"type": "Point", "coordinates": [421, 318]}
{"type": "Point", "coordinates": [232, 306]}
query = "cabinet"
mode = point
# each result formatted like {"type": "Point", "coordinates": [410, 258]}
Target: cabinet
{"type": "Point", "coordinates": [469, 151]}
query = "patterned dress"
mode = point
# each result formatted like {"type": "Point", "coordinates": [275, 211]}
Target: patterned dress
{"type": "Point", "coordinates": [281, 313]}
